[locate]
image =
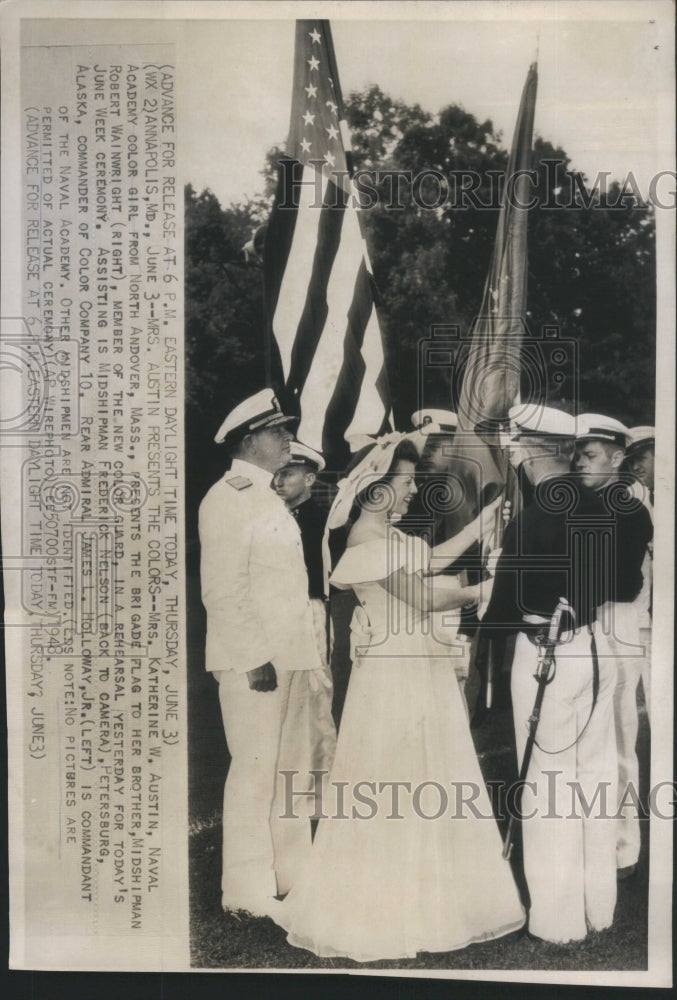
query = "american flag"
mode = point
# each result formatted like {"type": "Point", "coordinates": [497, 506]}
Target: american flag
{"type": "Point", "coordinates": [326, 345]}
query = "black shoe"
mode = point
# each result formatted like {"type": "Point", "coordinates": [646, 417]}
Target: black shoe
{"type": "Point", "coordinates": [524, 934]}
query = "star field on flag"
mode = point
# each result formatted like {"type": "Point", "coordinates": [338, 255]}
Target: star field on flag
{"type": "Point", "coordinates": [322, 325]}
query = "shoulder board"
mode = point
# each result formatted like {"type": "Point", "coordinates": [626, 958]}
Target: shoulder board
{"type": "Point", "coordinates": [239, 482]}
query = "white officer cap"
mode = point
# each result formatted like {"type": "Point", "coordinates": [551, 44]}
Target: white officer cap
{"type": "Point", "coordinates": [301, 454]}
{"type": "Point", "coordinates": [598, 427]}
{"type": "Point", "coordinates": [432, 421]}
{"type": "Point", "coordinates": [253, 414]}
{"type": "Point", "coordinates": [533, 420]}
{"type": "Point", "coordinates": [640, 438]}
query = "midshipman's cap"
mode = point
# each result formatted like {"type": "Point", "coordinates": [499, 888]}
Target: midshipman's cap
{"type": "Point", "coordinates": [598, 427]}
{"type": "Point", "coordinates": [640, 438]}
{"type": "Point", "coordinates": [301, 454]}
{"type": "Point", "coordinates": [533, 420]}
{"type": "Point", "coordinates": [434, 421]}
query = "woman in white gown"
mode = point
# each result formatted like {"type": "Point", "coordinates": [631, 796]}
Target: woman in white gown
{"type": "Point", "coordinates": [408, 858]}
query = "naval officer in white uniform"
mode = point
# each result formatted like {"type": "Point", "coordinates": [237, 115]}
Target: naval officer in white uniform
{"type": "Point", "coordinates": [262, 651]}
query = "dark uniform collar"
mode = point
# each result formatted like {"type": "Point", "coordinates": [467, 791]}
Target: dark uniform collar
{"type": "Point", "coordinates": [616, 487]}
{"type": "Point", "coordinates": [304, 505]}
{"type": "Point", "coordinates": [608, 485]}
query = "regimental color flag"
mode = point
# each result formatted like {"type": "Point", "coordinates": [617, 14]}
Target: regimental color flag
{"type": "Point", "coordinates": [491, 380]}
{"type": "Point", "coordinates": [326, 350]}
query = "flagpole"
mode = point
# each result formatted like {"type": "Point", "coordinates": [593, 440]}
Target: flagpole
{"type": "Point", "coordinates": [498, 336]}
{"type": "Point", "coordinates": [325, 31]}
{"type": "Point", "coordinates": [499, 529]}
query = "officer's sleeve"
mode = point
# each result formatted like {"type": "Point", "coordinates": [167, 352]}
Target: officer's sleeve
{"type": "Point", "coordinates": [236, 638]}
{"type": "Point", "coordinates": [637, 532]}
{"type": "Point", "coordinates": [643, 600]}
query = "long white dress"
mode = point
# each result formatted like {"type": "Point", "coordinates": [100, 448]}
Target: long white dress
{"type": "Point", "coordinates": [377, 886]}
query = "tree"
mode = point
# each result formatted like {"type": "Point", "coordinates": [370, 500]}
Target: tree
{"type": "Point", "coordinates": [223, 325]}
{"type": "Point", "coordinates": [592, 274]}
{"type": "Point", "coordinates": [591, 269]}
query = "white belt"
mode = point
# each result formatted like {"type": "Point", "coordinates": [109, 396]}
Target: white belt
{"type": "Point", "coordinates": [535, 620]}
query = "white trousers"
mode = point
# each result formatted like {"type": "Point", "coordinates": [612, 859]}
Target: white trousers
{"type": "Point", "coordinates": [621, 627]}
{"type": "Point", "coordinates": [267, 732]}
{"type": "Point", "coordinates": [568, 834]}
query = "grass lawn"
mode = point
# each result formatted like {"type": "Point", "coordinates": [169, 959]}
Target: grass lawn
{"type": "Point", "coordinates": [237, 940]}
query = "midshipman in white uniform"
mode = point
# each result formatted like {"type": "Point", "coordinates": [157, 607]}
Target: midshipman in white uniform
{"type": "Point", "coordinates": [600, 451]}
{"type": "Point", "coordinates": [569, 855]}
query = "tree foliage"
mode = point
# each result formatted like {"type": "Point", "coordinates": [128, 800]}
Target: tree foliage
{"type": "Point", "coordinates": [591, 269]}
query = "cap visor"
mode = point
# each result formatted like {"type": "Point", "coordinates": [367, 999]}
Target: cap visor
{"type": "Point", "coordinates": [273, 422]}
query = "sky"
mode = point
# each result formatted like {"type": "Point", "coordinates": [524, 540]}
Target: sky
{"type": "Point", "coordinates": [605, 79]}
{"type": "Point", "coordinates": [606, 72]}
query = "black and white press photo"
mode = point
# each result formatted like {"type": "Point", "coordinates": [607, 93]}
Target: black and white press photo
{"type": "Point", "coordinates": [337, 488]}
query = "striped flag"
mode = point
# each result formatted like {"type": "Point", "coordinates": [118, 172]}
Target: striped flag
{"type": "Point", "coordinates": [325, 344]}
{"type": "Point", "coordinates": [491, 381]}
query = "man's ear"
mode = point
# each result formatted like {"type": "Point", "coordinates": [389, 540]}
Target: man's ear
{"type": "Point", "coordinates": [310, 479]}
{"type": "Point", "coordinates": [617, 458]}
